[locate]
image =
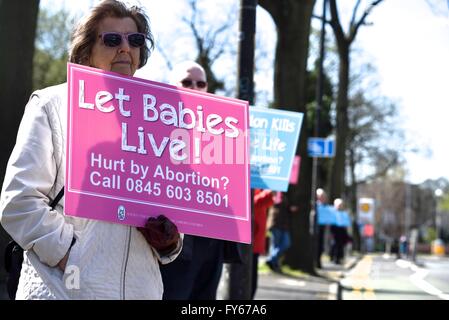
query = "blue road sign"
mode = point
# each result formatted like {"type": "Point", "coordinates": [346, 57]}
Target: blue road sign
{"type": "Point", "coordinates": [321, 147]}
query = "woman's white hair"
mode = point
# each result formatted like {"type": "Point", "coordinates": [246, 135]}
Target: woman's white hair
{"type": "Point", "coordinates": [338, 203]}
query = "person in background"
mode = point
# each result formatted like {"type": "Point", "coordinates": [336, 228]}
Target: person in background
{"type": "Point", "coordinates": [340, 235]}
{"type": "Point", "coordinates": [321, 200]}
{"type": "Point", "coordinates": [68, 257]}
{"type": "Point", "coordinates": [403, 246]}
{"type": "Point", "coordinates": [190, 75]}
{"type": "Point", "coordinates": [279, 218]}
{"type": "Point", "coordinates": [195, 275]}
{"type": "Point", "coordinates": [263, 200]}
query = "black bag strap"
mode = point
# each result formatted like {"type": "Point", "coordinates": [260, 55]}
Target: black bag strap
{"type": "Point", "coordinates": [12, 245]}
{"type": "Point", "coordinates": [13, 258]}
{"type": "Point", "coordinates": [58, 197]}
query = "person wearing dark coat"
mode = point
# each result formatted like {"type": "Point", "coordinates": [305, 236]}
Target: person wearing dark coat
{"type": "Point", "coordinates": [263, 200]}
{"type": "Point", "coordinates": [195, 275]}
{"type": "Point", "coordinates": [279, 219]}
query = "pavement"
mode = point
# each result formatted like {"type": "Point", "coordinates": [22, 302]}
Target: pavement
{"type": "Point", "coordinates": [323, 286]}
{"type": "Point", "coordinates": [281, 286]}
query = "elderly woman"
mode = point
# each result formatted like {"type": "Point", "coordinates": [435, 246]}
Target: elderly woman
{"type": "Point", "coordinates": [68, 257]}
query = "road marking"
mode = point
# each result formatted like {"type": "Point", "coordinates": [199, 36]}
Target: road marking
{"type": "Point", "coordinates": [360, 281]}
{"type": "Point", "coordinates": [418, 280]}
{"type": "Point", "coordinates": [292, 282]}
{"type": "Point", "coordinates": [333, 291]}
{"type": "Point", "coordinates": [404, 264]}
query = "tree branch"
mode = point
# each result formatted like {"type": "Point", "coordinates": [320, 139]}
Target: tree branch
{"type": "Point", "coordinates": [321, 18]}
{"type": "Point", "coordinates": [215, 35]}
{"type": "Point", "coordinates": [217, 55]}
{"type": "Point", "coordinates": [271, 7]}
{"type": "Point", "coordinates": [354, 13]}
{"type": "Point", "coordinates": [379, 173]}
{"type": "Point", "coordinates": [335, 22]}
{"type": "Point", "coordinates": [164, 56]}
{"type": "Point", "coordinates": [355, 27]}
{"type": "Point", "coordinates": [191, 23]}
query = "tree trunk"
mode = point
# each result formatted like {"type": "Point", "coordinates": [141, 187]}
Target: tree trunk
{"type": "Point", "coordinates": [342, 127]}
{"type": "Point", "coordinates": [213, 83]}
{"type": "Point", "coordinates": [17, 32]}
{"type": "Point", "coordinates": [353, 206]}
{"type": "Point", "coordinates": [342, 131]}
{"type": "Point", "coordinates": [292, 19]}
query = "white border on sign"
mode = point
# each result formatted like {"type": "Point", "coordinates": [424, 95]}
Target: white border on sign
{"type": "Point", "coordinates": [145, 83]}
{"type": "Point", "coordinates": [300, 116]}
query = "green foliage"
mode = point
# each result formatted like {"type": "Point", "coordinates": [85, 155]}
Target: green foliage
{"type": "Point", "coordinates": [325, 113]}
{"type": "Point", "coordinates": [376, 139]}
{"type": "Point", "coordinates": [444, 204]}
{"type": "Point", "coordinates": [325, 121]}
{"type": "Point", "coordinates": [48, 71]}
{"type": "Point", "coordinates": [430, 235]}
{"type": "Point", "coordinates": [296, 273]}
{"type": "Point", "coordinates": [51, 48]}
{"type": "Point", "coordinates": [286, 270]}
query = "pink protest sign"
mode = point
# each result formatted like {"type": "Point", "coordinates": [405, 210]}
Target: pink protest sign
{"type": "Point", "coordinates": [294, 175]}
{"type": "Point", "coordinates": [138, 148]}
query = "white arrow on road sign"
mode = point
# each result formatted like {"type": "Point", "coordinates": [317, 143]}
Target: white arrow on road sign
{"type": "Point", "coordinates": [315, 147]}
{"type": "Point", "coordinates": [321, 147]}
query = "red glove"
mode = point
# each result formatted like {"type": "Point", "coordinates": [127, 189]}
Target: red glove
{"type": "Point", "coordinates": [161, 234]}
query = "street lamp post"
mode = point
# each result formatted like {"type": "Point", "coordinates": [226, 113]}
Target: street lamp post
{"type": "Point", "coordinates": [438, 194]}
{"type": "Point", "coordinates": [314, 228]}
{"type": "Point", "coordinates": [238, 277]}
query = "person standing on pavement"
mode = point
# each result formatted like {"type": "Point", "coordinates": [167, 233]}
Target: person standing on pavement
{"type": "Point", "coordinates": [340, 235]}
{"type": "Point", "coordinates": [321, 201]}
{"type": "Point", "coordinates": [263, 200]}
{"type": "Point", "coordinates": [68, 257]}
{"type": "Point", "coordinates": [279, 219]}
{"type": "Point", "coordinates": [195, 275]}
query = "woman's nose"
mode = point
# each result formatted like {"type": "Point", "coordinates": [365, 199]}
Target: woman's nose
{"type": "Point", "coordinates": [124, 45]}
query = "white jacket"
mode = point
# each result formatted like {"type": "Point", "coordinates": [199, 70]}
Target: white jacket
{"type": "Point", "coordinates": [108, 261]}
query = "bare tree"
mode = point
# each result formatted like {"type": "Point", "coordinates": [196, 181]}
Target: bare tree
{"type": "Point", "coordinates": [17, 31]}
{"type": "Point", "coordinates": [208, 43]}
{"type": "Point", "coordinates": [292, 19]}
{"type": "Point", "coordinates": [371, 142]}
{"type": "Point", "coordinates": [344, 42]}
{"type": "Point", "coordinates": [211, 41]}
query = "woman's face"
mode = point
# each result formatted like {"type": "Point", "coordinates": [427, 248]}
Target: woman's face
{"type": "Point", "coordinates": [123, 58]}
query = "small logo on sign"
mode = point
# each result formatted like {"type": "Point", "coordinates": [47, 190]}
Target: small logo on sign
{"type": "Point", "coordinates": [365, 207]}
{"type": "Point", "coordinates": [121, 213]}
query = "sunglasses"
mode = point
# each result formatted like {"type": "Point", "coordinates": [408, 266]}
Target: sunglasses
{"type": "Point", "coordinates": [114, 39]}
{"type": "Point", "coordinates": [187, 83]}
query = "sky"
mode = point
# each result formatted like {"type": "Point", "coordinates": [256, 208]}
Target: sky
{"type": "Point", "coordinates": [407, 43]}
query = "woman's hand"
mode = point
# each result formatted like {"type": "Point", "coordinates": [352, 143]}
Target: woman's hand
{"type": "Point", "coordinates": [161, 234]}
{"type": "Point", "coordinates": [63, 263]}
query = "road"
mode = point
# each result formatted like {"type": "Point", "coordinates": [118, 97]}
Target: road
{"type": "Point", "coordinates": [281, 287]}
{"type": "Point", "coordinates": [383, 277]}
